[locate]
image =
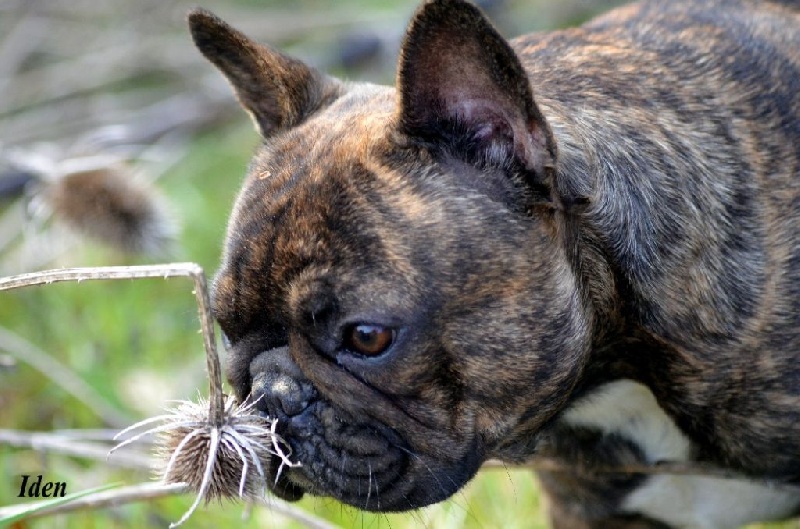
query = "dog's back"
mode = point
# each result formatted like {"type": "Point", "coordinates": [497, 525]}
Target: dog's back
{"type": "Point", "coordinates": [680, 123]}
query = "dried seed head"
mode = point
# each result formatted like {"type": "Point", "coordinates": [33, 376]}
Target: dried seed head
{"type": "Point", "coordinates": [107, 204]}
{"type": "Point", "coordinates": [225, 461]}
{"type": "Point", "coordinates": [245, 444]}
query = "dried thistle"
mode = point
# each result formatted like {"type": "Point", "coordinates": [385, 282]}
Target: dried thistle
{"type": "Point", "coordinates": [217, 461]}
{"type": "Point", "coordinates": [98, 196]}
{"type": "Point", "coordinates": [107, 204]}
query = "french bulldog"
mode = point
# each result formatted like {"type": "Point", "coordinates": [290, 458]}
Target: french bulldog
{"type": "Point", "coordinates": [581, 244]}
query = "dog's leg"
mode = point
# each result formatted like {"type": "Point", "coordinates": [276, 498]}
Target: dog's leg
{"type": "Point", "coordinates": [588, 508]}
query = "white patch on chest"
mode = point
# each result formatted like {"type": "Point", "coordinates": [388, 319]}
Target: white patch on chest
{"type": "Point", "coordinates": [629, 409]}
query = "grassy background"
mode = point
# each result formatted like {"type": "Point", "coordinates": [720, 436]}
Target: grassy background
{"type": "Point", "coordinates": [137, 344]}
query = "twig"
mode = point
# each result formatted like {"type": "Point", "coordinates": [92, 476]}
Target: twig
{"type": "Point", "coordinates": [111, 498]}
{"type": "Point", "coordinates": [24, 351]}
{"type": "Point", "coordinates": [675, 468]}
{"type": "Point", "coordinates": [19, 43]}
{"type": "Point", "coordinates": [95, 435]}
{"type": "Point", "coordinates": [63, 79]}
{"type": "Point", "coordinates": [66, 444]}
{"type": "Point", "coordinates": [150, 491]}
{"type": "Point", "coordinates": [147, 114]}
{"type": "Point", "coordinates": [191, 270]}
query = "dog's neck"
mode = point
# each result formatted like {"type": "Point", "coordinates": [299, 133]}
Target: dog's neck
{"type": "Point", "coordinates": [621, 346]}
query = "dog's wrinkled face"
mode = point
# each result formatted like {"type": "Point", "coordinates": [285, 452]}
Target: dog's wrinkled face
{"type": "Point", "coordinates": [392, 286]}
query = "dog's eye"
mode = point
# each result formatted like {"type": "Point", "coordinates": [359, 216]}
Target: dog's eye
{"type": "Point", "coordinates": [368, 340]}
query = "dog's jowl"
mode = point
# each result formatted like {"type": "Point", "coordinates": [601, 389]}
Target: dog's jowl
{"type": "Point", "coordinates": [583, 245]}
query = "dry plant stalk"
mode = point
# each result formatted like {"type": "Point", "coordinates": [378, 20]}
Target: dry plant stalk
{"type": "Point", "coordinates": [218, 447]}
{"type": "Point", "coordinates": [147, 491]}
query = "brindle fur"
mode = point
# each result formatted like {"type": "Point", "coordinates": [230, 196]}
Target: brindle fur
{"type": "Point", "coordinates": [619, 200]}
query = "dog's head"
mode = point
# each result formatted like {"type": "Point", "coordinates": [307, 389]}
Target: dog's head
{"type": "Point", "coordinates": [393, 287]}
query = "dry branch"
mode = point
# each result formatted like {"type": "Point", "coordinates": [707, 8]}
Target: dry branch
{"type": "Point", "coordinates": [63, 443]}
{"type": "Point", "coordinates": [675, 468]}
{"type": "Point", "coordinates": [191, 270]}
{"type": "Point", "coordinates": [151, 491]}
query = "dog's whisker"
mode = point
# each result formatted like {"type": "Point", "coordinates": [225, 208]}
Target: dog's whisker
{"type": "Point", "coordinates": [428, 468]}
{"type": "Point", "coordinates": [369, 484]}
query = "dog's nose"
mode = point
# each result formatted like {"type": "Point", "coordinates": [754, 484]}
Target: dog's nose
{"type": "Point", "coordinates": [279, 386]}
{"type": "Point", "coordinates": [281, 396]}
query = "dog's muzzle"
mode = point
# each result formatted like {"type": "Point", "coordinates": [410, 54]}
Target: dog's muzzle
{"type": "Point", "coordinates": [354, 459]}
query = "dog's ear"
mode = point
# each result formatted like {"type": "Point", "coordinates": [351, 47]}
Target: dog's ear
{"type": "Point", "coordinates": [276, 90]}
{"type": "Point", "coordinates": [462, 89]}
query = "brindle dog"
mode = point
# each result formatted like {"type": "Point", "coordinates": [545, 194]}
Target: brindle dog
{"type": "Point", "coordinates": [583, 244]}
